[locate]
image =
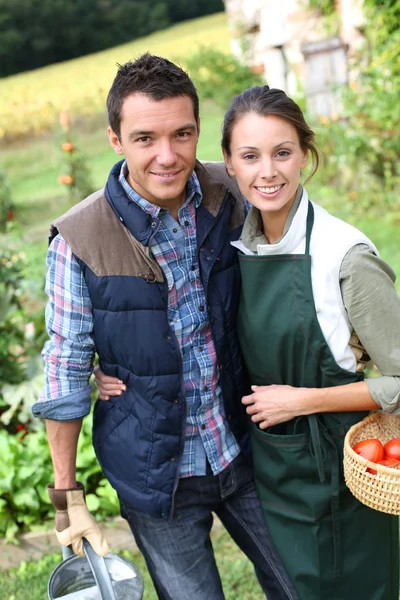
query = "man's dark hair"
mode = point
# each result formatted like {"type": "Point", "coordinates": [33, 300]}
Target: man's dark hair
{"type": "Point", "coordinates": [153, 76]}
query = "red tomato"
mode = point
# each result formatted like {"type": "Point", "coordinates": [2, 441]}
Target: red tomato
{"type": "Point", "coordinates": [370, 449]}
{"type": "Point", "coordinates": [390, 462]}
{"type": "Point", "coordinates": [392, 448]}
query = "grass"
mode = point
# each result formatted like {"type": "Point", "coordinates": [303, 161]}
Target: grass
{"type": "Point", "coordinates": [30, 579]}
{"type": "Point", "coordinates": [31, 102]}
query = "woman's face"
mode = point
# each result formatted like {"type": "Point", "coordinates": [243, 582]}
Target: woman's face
{"type": "Point", "coordinates": [266, 159]}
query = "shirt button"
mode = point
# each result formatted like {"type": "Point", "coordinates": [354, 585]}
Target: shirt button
{"type": "Point", "coordinates": [153, 224]}
{"type": "Point", "coordinates": [186, 223]}
{"type": "Point", "coordinates": [175, 230]}
{"type": "Point", "coordinates": [172, 459]}
{"type": "Point", "coordinates": [168, 338]}
{"type": "Point", "coordinates": [203, 427]}
{"type": "Point", "coordinates": [176, 401]}
{"type": "Point", "coordinates": [206, 388]}
{"type": "Point", "coordinates": [200, 349]}
{"type": "Point", "coordinates": [201, 308]}
{"type": "Point", "coordinates": [193, 268]}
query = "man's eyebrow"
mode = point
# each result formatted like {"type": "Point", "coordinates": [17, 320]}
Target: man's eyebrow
{"type": "Point", "coordinates": [190, 126]}
{"type": "Point", "coordinates": [136, 133]}
{"type": "Point", "coordinates": [144, 133]}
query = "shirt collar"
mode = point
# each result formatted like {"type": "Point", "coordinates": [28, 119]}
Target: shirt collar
{"type": "Point", "coordinates": [193, 193]}
{"type": "Point", "coordinates": [252, 234]}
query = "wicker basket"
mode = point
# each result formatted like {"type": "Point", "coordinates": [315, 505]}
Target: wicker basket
{"type": "Point", "coordinates": [380, 491]}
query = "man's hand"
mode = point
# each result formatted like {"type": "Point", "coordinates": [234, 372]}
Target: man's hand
{"type": "Point", "coordinates": [108, 386]}
{"type": "Point", "coordinates": [74, 521]}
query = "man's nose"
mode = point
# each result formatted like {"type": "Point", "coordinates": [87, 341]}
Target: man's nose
{"type": "Point", "coordinates": [166, 155]}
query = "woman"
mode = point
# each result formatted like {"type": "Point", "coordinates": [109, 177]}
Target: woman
{"type": "Point", "coordinates": [309, 279]}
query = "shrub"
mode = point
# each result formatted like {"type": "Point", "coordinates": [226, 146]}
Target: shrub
{"type": "Point", "coordinates": [361, 146]}
{"type": "Point", "coordinates": [220, 76]}
{"type": "Point", "coordinates": [76, 175]}
{"type": "Point", "coordinates": [6, 203]}
{"type": "Point", "coordinates": [25, 471]}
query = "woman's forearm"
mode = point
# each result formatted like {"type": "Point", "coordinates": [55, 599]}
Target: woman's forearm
{"type": "Point", "coordinates": [273, 404]}
{"type": "Point", "coordinates": [343, 398]}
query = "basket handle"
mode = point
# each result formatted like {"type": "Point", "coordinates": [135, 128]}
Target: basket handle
{"type": "Point", "coordinates": [99, 570]}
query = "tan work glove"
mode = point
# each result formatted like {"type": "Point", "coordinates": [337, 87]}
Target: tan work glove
{"type": "Point", "coordinates": [74, 521]}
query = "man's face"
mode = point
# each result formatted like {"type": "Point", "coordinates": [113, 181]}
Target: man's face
{"type": "Point", "coordinates": [158, 139]}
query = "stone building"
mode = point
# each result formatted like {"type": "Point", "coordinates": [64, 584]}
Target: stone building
{"type": "Point", "coordinates": [296, 48]}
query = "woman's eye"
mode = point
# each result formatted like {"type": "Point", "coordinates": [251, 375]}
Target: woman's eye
{"type": "Point", "coordinates": [249, 156]}
{"type": "Point", "coordinates": [283, 153]}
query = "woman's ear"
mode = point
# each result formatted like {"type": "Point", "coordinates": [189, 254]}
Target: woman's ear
{"type": "Point", "coordinates": [305, 159]}
{"type": "Point", "coordinates": [228, 164]}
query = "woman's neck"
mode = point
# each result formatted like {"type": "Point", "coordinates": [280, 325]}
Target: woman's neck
{"type": "Point", "coordinates": [273, 224]}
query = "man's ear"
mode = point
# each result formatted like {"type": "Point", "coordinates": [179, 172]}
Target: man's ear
{"type": "Point", "coordinates": [228, 164]}
{"type": "Point", "coordinates": [114, 141]}
{"type": "Point", "coordinates": [198, 128]}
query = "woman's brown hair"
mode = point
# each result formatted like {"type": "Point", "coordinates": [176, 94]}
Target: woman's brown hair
{"type": "Point", "coordinates": [264, 101]}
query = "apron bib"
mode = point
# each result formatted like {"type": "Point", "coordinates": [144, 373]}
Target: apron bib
{"type": "Point", "coordinates": [333, 547]}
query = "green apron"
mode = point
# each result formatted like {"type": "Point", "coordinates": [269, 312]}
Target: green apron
{"type": "Point", "coordinates": [332, 546]}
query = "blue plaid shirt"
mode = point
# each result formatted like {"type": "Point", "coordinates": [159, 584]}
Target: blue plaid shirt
{"type": "Point", "coordinates": [69, 353]}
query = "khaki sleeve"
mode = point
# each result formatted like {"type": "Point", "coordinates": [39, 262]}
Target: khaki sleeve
{"type": "Point", "coordinates": [373, 308]}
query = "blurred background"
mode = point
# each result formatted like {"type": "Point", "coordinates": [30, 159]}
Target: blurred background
{"type": "Point", "coordinates": [339, 59]}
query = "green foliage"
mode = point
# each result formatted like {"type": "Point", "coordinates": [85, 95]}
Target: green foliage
{"type": "Point", "coordinates": [11, 321]}
{"type": "Point", "coordinates": [30, 39]}
{"type": "Point", "coordinates": [220, 76]}
{"type": "Point", "coordinates": [21, 338]}
{"type": "Point", "coordinates": [6, 204]}
{"type": "Point", "coordinates": [361, 144]}
{"type": "Point", "coordinates": [25, 471]}
{"type": "Point", "coordinates": [76, 174]}
{"type": "Point", "coordinates": [326, 7]}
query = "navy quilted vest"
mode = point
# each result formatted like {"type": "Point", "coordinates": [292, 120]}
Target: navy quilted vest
{"type": "Point", "coordinates": [138, 437]}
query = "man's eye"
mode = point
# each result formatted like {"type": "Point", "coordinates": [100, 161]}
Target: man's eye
{"type": "Point", "coordinates": [183, 134]}
{"type": "Point", "coordinates": [144, 138]}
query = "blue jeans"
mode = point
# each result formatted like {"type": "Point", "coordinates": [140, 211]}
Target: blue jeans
{"type": "Point", "coordinates": [179, 554]}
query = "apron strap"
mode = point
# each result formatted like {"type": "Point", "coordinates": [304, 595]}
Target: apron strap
{"type": "Point", "coordinates": [310, 223]}
{"type": "Point", "coordinates": [318, 431]}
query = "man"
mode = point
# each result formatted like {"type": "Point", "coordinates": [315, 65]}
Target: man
{"type": "Point", "coordinates": [143, 273]}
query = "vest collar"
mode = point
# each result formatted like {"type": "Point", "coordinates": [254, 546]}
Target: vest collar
{"type": "Point", "coordinates": [142, 225]}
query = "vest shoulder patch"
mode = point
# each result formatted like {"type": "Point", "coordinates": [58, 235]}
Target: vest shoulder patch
{"type": "Point", "coordinates": [97, 237]}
